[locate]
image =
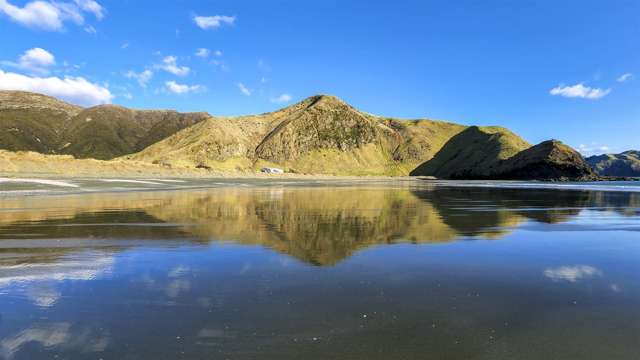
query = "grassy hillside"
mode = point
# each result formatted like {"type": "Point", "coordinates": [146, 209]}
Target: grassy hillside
{"type": "Point", "coordinates": [551, 160]}
{"type": "Point", "coordinates": [35, 122]}
{"type": "Point", "coordinates": [475, 152]}
{"type": "Point", "coordinates": [320, 135]}
{"type": "Point", "coordinates": [109, 131]}
{"type": "Point", "coordinates": [623, 164]}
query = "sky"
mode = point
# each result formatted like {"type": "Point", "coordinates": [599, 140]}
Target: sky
{"type": "Point", "coordinates": [568, 69]}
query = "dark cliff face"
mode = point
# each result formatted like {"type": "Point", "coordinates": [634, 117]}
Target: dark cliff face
{"type": "Point", "coordinates": [623, 164]}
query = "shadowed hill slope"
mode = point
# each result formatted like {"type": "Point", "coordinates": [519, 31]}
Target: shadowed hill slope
{"type": "Point", "coordinates": [497, 153]}
{"type": "Point", "coordinates": [476, 152]}
{"type": "Point", "coordinates": [550, 160]}
{"type": "Point", "coordinates": [623, 164]}
{"type": "Point", "coordinates": [321, 135]}
{"type": "Point", "coordinates": [35, 122]}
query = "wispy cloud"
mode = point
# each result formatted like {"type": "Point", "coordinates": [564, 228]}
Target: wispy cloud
{"type": "Point", "coordinates": [51, 15]}
{"type": "Point", "coordinates": [176, 88]}
{"type": "Point", "coordinates": [142, 77]}
{"type": "Point", "coordinates": [593, 149]}
{"type": "Point", "coordinates": [579, 91]}
{"type": "Point", "coordinates": [34, 61]}
{"type": "Point", "coordinates": [203, 52]}
{"type": "Point", "coordinates": [213, 22]}
{"type": "Point", "coordinates": [76, 90]}
{"type": "Point", "coordinates": [625, 77]}
{"type": "Point", "coordinates": [281, 99]}
{"type": "Point", "coordinates": [572, 273]}
{"type": "Point", "coordinates": [244, 89]}
{"type": "Point", "coordinates": [170, 64]}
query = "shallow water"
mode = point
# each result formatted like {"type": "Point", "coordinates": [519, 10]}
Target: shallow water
{"type": "Point", "coordinates": [293, 271]}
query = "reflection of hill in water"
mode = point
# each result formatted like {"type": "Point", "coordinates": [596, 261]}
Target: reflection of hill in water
{"type": "Point", "coordinates": [317, 225]}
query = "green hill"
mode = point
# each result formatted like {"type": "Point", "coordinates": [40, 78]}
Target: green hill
{"type": "Point", "coordinates": [497, 153]}
{"type": "Point", "coordinates": [35, 122]}
{"type": "Point", "coordinates": [623, 164]}
{"type": "Point", "coordinates": [474, 153]}
{"type": "Point", "coordinates": [550, 160]}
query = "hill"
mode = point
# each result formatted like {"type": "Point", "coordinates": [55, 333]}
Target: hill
{"type": "Point", "coordinates": [474, 153]}
{"type": "Point", "coordinates": [549, 160]}
{"type": "Point", "coordinates": [320, 135]}
{"type": "Point", "coordinates": [35, 122]}
{"type": "Point", "coordinates": [623, 164]}
{"type": "Point", "coordinates": [497, 153]}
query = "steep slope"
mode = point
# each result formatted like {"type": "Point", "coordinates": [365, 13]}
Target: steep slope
{"type": "Point", "coordinates": [473, 153]}
{"type": "Point", "coordinates": [549, 160]}
{"type": "Point", "coordinates": [35, 122]}
{"type": "Point", "coordinates": [320, 135]}
{"type": "Point", "coordinates": [623, 164]}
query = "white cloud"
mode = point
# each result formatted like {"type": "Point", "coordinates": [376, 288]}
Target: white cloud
{"type": "Point", "coordinates": [93, 7]}
{"type": "Point", "coordinates": [124, 46]}
{"type": "Point", "coordinates": [50, 15]}
{"type": "Point", "coordinates": [90, 29]}
{"type": "Point", "coordinates": [203, 52]}
{"type": "Point", "coordinates": [281, 99]}
{"type": "Point", "coordinates": [579, 91]}
{"type": "Point", "coordinates": [244, 89]}
{"type": "Point", "coordinates": [212, 22]}
{"type": "Point", "coordinates": [594, 149]}
{"type": "Point", "coordinates": [33, 61]}
{"type": "Point", "coordinates": [625, 77]}
{"type": "Point", "coordinates": [176, 88]}
{"type": "Point", "coordinates": [142, 77]}
{"type": "Point", "coordinates": [170, 64]}
{"type": "Point", "coordinates": [218, 53]}
{"type": "Point", "coordinates": [76, 90]}
{"type": "Point", "coordinates": [572, 273]}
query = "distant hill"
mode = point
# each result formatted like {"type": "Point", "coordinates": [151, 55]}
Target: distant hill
{"type": "Point", "coordinates": [321, 135]}
{"type": "Point", "coordinates": [623, 164]}
{"type": "Point", "coordinates": [35, 122]}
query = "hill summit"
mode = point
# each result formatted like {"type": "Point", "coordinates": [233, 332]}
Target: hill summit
{"type": "Point", "coordinates": [319, 135]}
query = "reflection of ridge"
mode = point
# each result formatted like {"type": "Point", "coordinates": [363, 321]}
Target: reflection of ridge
{"type": "Point", "coordinates": [320, 226]}
{"type": "Point", "coordinates": [491, 212]}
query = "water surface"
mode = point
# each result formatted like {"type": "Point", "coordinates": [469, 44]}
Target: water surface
{"type": "Point", "coordinates": [293, 271]}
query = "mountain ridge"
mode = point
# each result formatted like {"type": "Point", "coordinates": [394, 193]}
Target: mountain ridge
{"type": "Point", "coordinates": [321, 135]}
{"type": "Point", "coordinates": [624, 164]}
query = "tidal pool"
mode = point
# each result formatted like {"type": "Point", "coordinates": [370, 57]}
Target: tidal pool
{"type": "Point", "coordinates": [322, 272]}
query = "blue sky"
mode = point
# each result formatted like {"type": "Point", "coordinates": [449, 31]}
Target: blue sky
{"type": "Point", "coordinates": [546, 69]}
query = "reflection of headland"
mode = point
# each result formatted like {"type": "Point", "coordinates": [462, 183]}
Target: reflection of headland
{"type": "Point", "coordinates": [320, 226]}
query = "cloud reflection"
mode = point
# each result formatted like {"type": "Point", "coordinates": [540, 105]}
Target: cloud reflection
{"type": "Point", "coordinates": [572, 273]}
